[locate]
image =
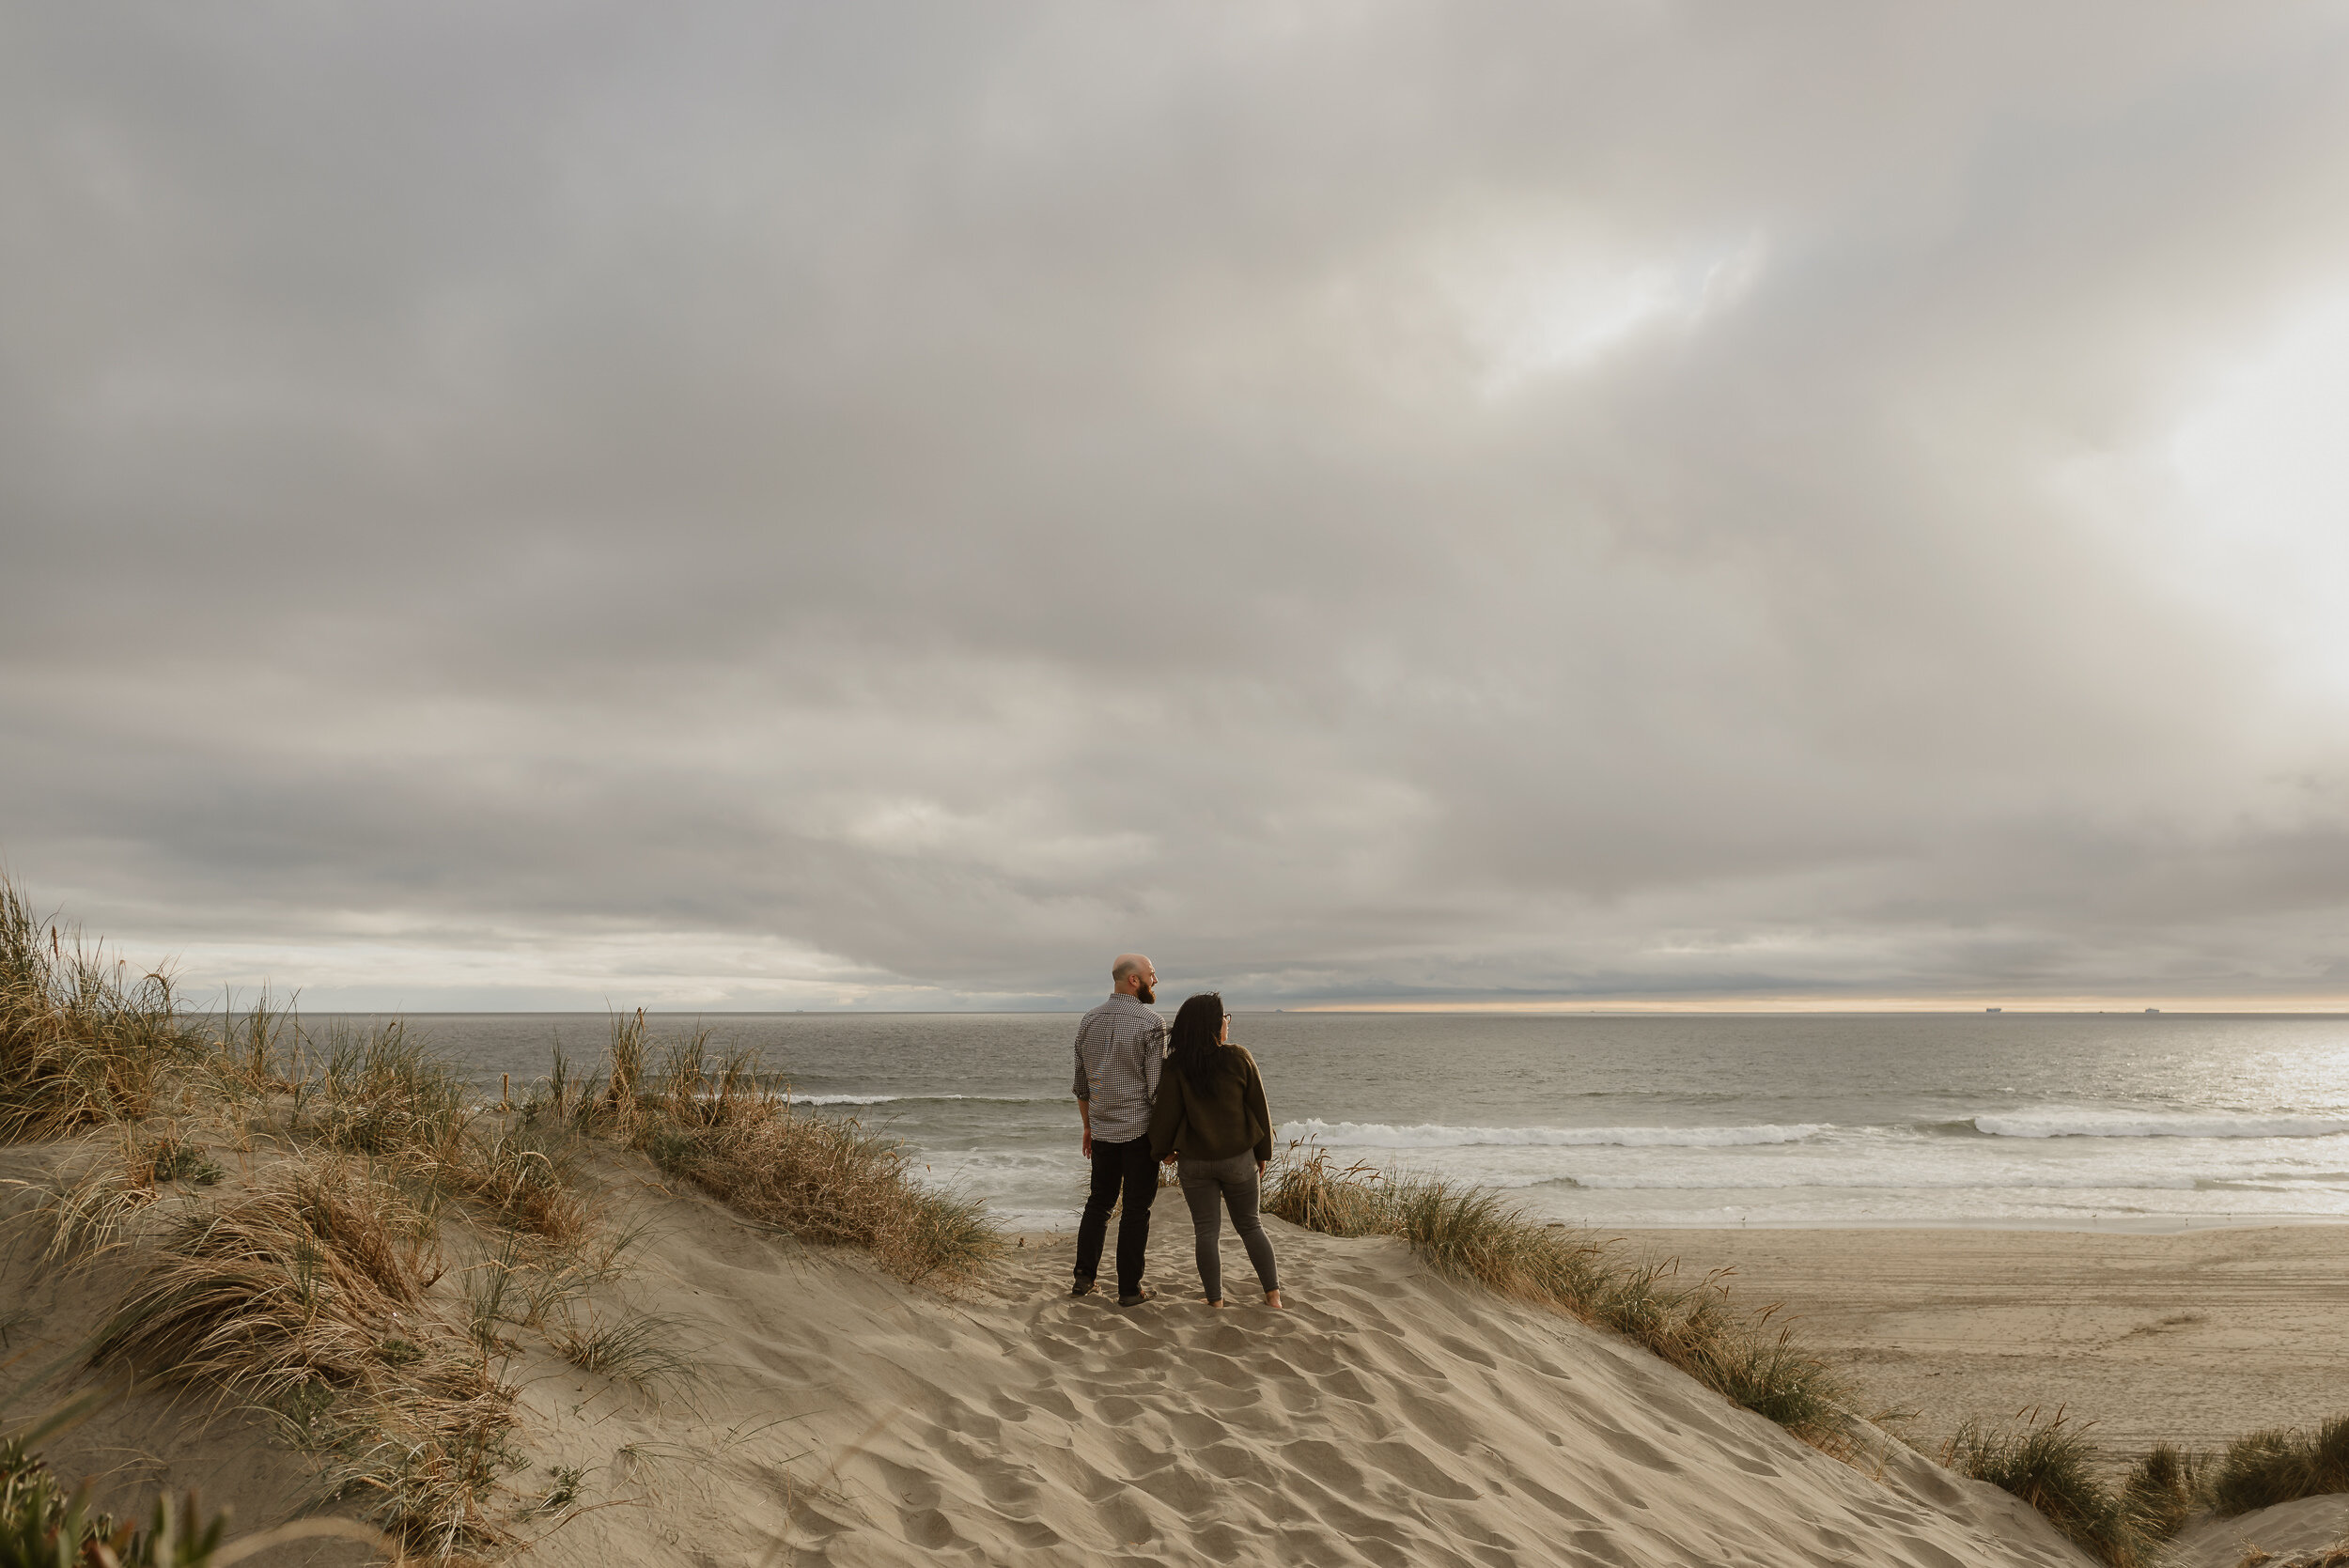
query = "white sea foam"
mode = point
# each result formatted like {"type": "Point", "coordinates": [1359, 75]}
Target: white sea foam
{"type": "Point", "coordinates": [2075, 1122]}
{"type": "Point", "coordinates": [1722, 1181]}
{"type": "Point", "coordinates": [1379, 1135]}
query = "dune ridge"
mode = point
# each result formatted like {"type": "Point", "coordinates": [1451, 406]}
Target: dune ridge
{"type": "Point", "coordinates": [1390, 1417]}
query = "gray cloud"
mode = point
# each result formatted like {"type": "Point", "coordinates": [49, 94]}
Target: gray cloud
{"type": "Point", "coordinates": [787, 506]}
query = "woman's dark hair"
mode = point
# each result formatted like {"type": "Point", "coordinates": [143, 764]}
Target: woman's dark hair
{"type": "Point", "coordinates": [1197, 1024]}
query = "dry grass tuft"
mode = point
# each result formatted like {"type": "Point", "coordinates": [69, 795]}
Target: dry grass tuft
{"type": "Point", "coordinates": [523, 1177]}
{"type": "Point", "coordinates": [171, 1156]}
{"type": "Point", "coordinates": [87, 1212]}
{"type": "Point", "coordinates": [383, 1094]}
{"type": "Point", "coordinates": [307, 1297]}
{"type": "Point", "coordinates": [82, 1041]}
{"type": "Point", "coordinates": [2165, 1489]}
{"type": "Point", "coordinates": [825, 1180]}
{"type": "Point", "coordinates": [1473, 1234]}
{"type": "Point", "coordinates": [293, 1284]}
{"type": "Point", "coordinates": [2268, 1467]}
{"type": "Point", "coordinates": [647, 1351]}
{"type": "Point", "coordinates": [2052, 1466]}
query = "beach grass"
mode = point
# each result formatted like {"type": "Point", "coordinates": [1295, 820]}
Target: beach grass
{"type": "Point", "coordinates": [651, 1352]}
{"type": "Point", "coordinates": [2267, 1467]}
{"type": "Point", "coordinates": [85, 1040]}
{"type": "Point", "coordinates": [2165, 1489]}
{"type": "Point", "coordinates": [2052, 1464]}
{"type": "Point", "coordinates": [1473, 1234]}
{"type": "Point", "coordinates": [308, 1297]}
{"type": "Point", "coordinates": [717, 1123]}
{"type": "Point", "coordinates": [314, 1284]}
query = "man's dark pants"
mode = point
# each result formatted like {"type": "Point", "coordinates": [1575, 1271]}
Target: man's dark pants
{"type": "Point", "coordinates": [1128, 1166]}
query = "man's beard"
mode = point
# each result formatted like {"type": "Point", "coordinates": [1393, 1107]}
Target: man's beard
{"type": "Point", "coordinates": [1145, 993]}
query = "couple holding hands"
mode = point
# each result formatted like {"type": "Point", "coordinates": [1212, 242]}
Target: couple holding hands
{"type": "Point", "coordinates": [1188, 1097]}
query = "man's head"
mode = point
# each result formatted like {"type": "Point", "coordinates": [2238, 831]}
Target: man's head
{"type": "Point", "coordinates": [1132, 976]}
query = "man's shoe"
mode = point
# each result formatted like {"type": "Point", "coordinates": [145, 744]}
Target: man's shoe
{"type": "Point", "coordinates": [1144, 1294]}
{"type": "Point", "coordinates": [1082, 1287]}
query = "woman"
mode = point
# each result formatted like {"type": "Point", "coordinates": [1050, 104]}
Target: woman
{"type": "Point", "coordinates": [1210, 1111]}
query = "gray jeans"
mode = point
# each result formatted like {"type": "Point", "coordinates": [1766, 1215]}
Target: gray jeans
{"type": "Point", "coordinates": [1208, 1185]}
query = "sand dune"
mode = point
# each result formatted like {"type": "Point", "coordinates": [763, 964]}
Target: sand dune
{"type": "Point", "coordinates": [2286, 1531]}
{"type": "Point", "coordinates": [1389, 1417]}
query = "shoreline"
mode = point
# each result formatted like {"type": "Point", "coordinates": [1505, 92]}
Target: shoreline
{"type": "Point", "coordinates": [2154, 1226]}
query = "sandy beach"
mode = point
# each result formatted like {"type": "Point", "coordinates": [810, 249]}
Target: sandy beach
{"type": "Point", "coordinates": [2193, 1338]}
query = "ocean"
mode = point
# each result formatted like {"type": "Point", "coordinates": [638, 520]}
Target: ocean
{"type": "Point", "coordinates": [2097, 1121]}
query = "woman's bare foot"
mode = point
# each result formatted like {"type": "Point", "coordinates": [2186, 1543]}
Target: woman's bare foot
{"type": "Point", "coordinates": [1217, 1302]}
{"type": "Point", "coordinates": [1272, 1298]}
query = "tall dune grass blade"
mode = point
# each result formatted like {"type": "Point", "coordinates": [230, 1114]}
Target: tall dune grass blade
{"type": "Point", "coordinates": [83, 1039]}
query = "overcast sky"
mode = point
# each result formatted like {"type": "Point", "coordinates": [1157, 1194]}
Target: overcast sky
{"type": "Point", "coordinates": [766, 506]}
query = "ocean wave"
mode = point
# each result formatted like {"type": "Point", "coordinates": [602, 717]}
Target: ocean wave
{"type": "Point", "coordinates": [1714, 1181]}
{"type": "Point", "coordinates": [2069, 1121]}
{"type": "Point", "coordinates": [1379, 1135]}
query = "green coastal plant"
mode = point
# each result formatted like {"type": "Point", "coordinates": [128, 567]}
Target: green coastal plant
{"type": "Point", "coordinates": [43, 1525]}
{"type": "Point", "coordinates": [647, 1351]}
{"type": "Point", "coordinates": [2054, 1466]}
{"type": "Point", "coordinates": [2267, 1467]}
{"type": "Point", "coordinates": [570, 1481]}
{"type": "Point", "coordinates": [2163, 1489]}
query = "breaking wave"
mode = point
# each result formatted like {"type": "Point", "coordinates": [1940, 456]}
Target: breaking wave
{"type": "Point", "coordinates": [2068, 1122]}
{"type": "Point", "coordinates": [1379, 1135]}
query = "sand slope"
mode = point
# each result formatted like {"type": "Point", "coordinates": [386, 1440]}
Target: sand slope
{"type": "Point", "coordinates": [2287, 1529]}
{"type": "Point", "coordinates": [151, 1441]}
{"type": "Point", "coordinates": [1389, 1417]}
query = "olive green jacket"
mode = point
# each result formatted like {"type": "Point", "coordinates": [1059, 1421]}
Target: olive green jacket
{"type": "Point", "coordinates": [1226, 1117]}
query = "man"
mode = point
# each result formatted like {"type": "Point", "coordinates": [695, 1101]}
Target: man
{"type": "Point", "coordinates": [1121, 1049]}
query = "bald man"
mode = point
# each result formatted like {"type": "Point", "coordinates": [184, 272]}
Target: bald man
{"type": "Point", "coordinates": [1121, 1049]}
